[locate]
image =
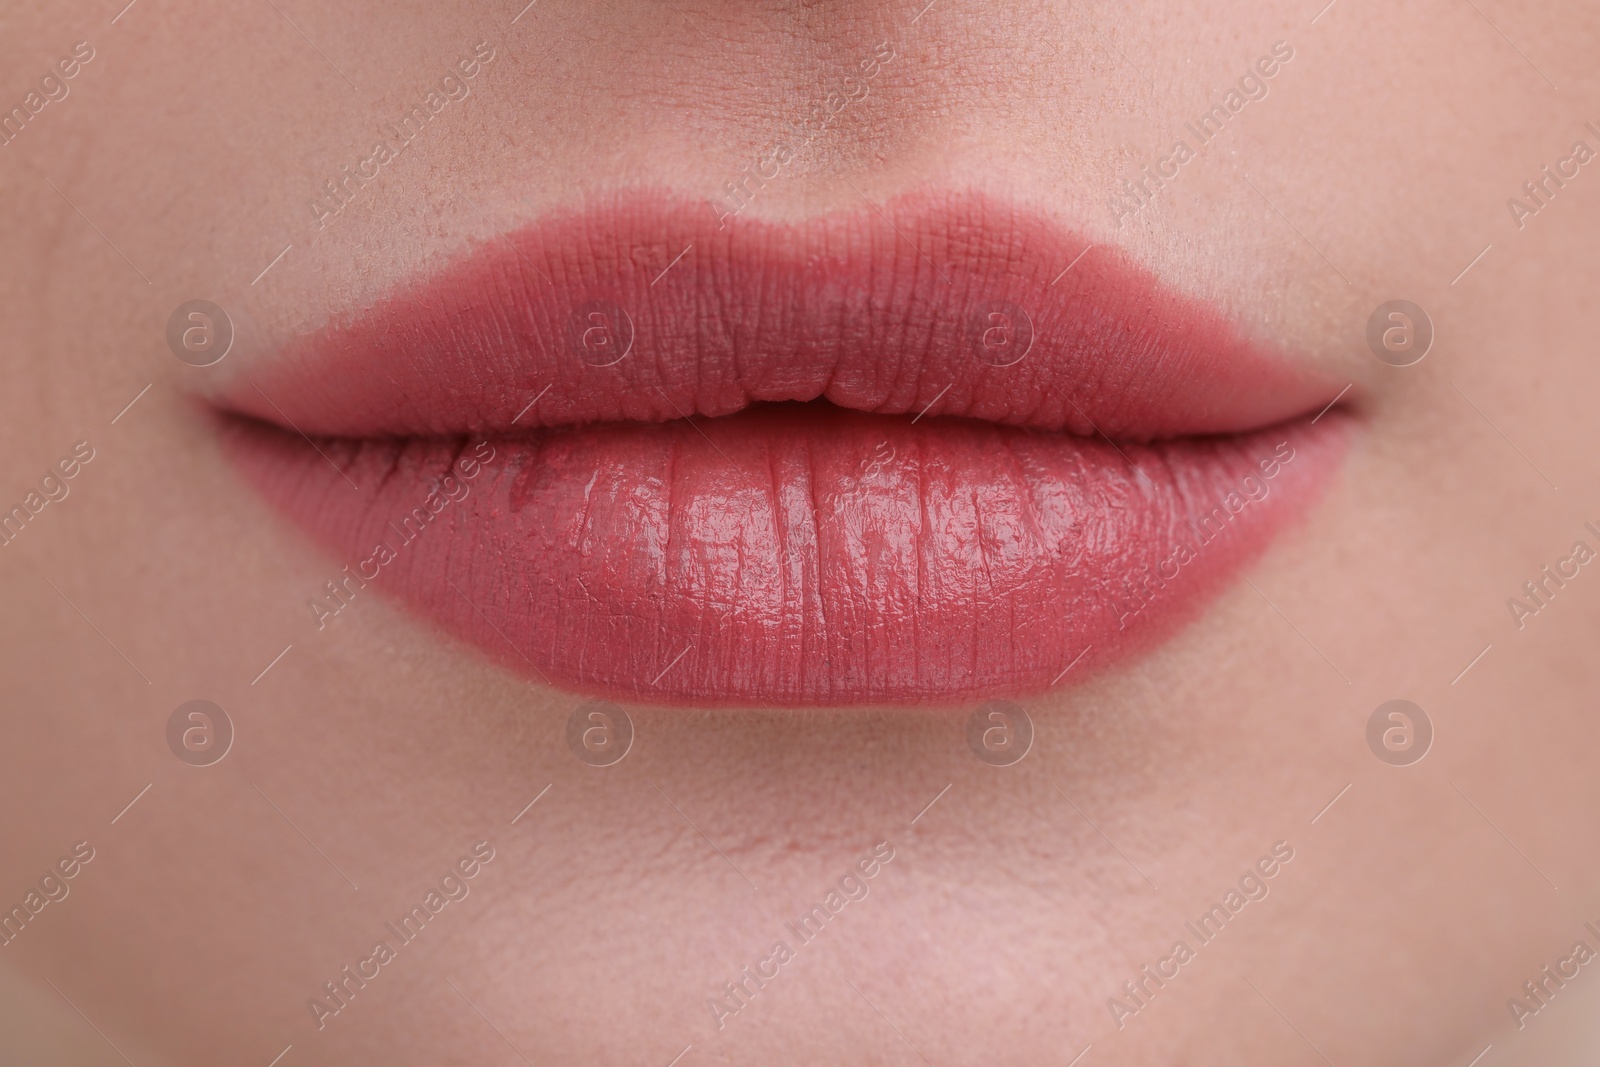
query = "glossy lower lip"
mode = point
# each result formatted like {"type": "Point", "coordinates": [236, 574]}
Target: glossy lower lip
{"type": "Point", "coordinates": [794, 557]}
{"type": "Point", "coordinates": [488, 460]}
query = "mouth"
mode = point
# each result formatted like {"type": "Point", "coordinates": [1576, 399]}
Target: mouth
{"type": "Point", "coordinates": [938, 451]}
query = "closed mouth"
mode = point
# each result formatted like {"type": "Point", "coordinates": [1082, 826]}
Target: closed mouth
{"type": "Point", "coordinates": [938, 451]}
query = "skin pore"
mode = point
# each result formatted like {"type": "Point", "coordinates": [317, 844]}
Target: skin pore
{"type": "Point", "coordinates": [1374, 163]}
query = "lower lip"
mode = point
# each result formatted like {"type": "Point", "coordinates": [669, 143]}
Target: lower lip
{"type": "Point", "coordinates": [799, 556]}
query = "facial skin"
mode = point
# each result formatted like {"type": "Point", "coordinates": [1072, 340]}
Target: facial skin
{"type": "Point", "coordinates": [375, 754]}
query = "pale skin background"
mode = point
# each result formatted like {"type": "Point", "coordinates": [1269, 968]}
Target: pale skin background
{"type": "Point", "coordinates": [1381, 162]}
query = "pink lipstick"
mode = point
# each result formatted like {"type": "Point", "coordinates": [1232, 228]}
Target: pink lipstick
{"type": "Point", "coordinates": [924, 455]}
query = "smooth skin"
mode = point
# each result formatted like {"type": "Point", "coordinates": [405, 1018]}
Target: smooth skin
{"type": "Point", "coordinates": [374, 754]}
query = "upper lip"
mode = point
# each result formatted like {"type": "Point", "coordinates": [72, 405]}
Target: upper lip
{"type": "Point", "coordinates": [951, 304]}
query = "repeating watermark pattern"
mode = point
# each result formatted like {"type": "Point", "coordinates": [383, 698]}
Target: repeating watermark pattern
{"type": "Point", "coordinates": [1399, 333]}
{"type": "Point", "coordinates": [852, 887]}
{"type": "Point", "coordinates": [1539, 591]}
{"type": "Point", "coordinates": [52, 89]}
{"type": "Point", "coordinates": [600, 332]}
{"type": "Point", "coordinates": [599, 733]}
{"type": "Point", "coordinates": [1399, 732]}
{"type": "Point", "coordinates": [199, 332]}
{"type": "Point", "coordinates": [1135, 195]}
{"type": "Point", "coordinates": [1537, 193]}
{"type": "Point", "coordinates": [449, 489]}
{"type": "Point", "coordinates": [1000, 733]}
{"type": "Point", "coordinates": [1140, 589]}
{"type": "Point", "coordinates": [770, 163]}
{"type": "Point", "coordinates": [1253, 886]}
{"type": "Point", "coordinates": [199, 732]}
{"type": "Point", "coordinates": [53, 488]}
{"type": "Point", "coordinates": [452, 888]}
{"type": "Point", "coordinates": [52, 888]}
{"type": "Point", "coordinates": [339, 193]}
{"type": "Point", "coordinates": [1540, 990]}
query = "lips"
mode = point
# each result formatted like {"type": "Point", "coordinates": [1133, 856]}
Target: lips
{"type": "Point", "coordinates": [933, 452]}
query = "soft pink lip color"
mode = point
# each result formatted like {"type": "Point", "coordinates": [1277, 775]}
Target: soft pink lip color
{"type": "Point", "coordinates": [785, 553]}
